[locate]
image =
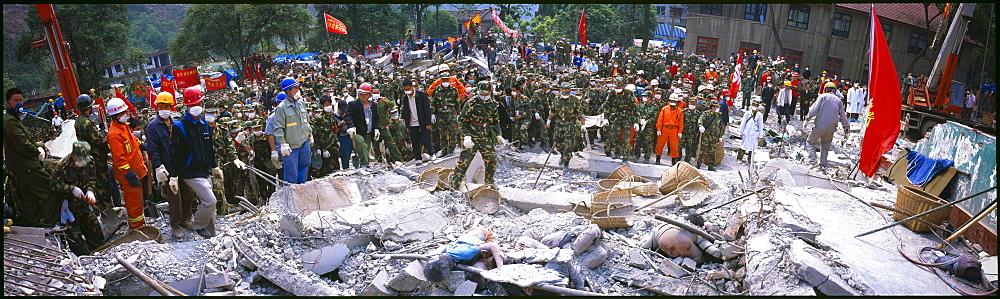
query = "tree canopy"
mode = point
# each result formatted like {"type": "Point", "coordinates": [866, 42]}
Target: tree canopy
{"type": "Point", "coordinates": [154, 25]}
{"type": "Point", "coordinates": [367, 24]}
{"type": "Point", "coordinates": [234, 31]}
{"type": "Point", "coordinates": [440, 24]}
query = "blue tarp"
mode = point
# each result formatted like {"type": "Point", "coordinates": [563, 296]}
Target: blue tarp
{"type": "Point", "coordinates": [670, 31]}
{"type": "Point", "coordinates": [231, 74]}
{"type": "Point", "coordinates": [290, 58]}
{"type": "Point", "coordinates": [155, 81]}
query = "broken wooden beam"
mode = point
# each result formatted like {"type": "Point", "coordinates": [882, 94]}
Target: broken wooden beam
{"type": "Point", "coordinates": [152, 282]}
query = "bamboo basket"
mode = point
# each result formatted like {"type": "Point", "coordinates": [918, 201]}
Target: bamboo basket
{"type": "Point", "coordinates": [607, 184]}
{"type": "Point", "coordinates": [612, 208]}
{"type": "Point", "coordinates": [444, 178]}
{"type": "Point", "coordinates": [486, 200]}
{"type": "Point", "coordinates": [916, 201]}
{"type": "Point", "coordinates": [428, 180]}
{"type": "Point", "coordinates": [677, 175]}
{"type": "Point", "coordinates": [621, 173]}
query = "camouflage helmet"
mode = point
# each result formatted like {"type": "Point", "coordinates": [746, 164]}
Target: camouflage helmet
{"type": "Point", "coordinates": [483, 87]}
{"type": "Point", "coordinates": [647, 93]}
{"type": "Point", "coordinates": [565, 85]}
{"type": "Point", "coordinates": [225, 120]}
{"type": "Point", "coordinates": [247, 124]}
{"type": "Point", "coordinates": [81, 151]}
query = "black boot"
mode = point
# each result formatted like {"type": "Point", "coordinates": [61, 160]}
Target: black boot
{"type": "Point", "coordinates": [711, 168]}
{"type": "Point", "coordinates": [658, 160]}
{"type": "Point", "coordinates": [739, 155]}
{"type": "Point", "coordinates": [673, 161]}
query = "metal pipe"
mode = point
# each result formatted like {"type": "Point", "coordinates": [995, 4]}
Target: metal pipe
{"type": "Point", "coordinates": [402, 256]}
{"type": "Point", "coordinates": [155, 284]}
{"type": "Point", "coordinates": [927, 212]}
{"type": "Point", "coordinates": [48, 275]}
{"type": "Point", "coordinates": [41, 246]}
{"type": "Point", "coordinates": [687, 227]}
{"type": "Point", "coordinates": [31, 258]}
{"type": "Point", "coordinates": [39, 251]}
{"type": "Point", "coordinates": [968, 225]}
{"type": "Point", "coordinates": [907, 214]}
{"type": "Point", "coordinates": [44, 285]}
{"type": "Point", "coordinates": [734, 200]}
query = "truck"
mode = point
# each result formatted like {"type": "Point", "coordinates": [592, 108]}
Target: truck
{"type": "Point", "coordinates": [937, 99]}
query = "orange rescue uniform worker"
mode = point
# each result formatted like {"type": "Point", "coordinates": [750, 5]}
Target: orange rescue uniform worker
{"type": "Point", "coordinates": [126, 157]}
{"type": "Point", "coordinates": [669, 126]}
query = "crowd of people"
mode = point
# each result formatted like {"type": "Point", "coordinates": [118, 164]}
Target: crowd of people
{"type": "Point", "coordinates": [205, 151]}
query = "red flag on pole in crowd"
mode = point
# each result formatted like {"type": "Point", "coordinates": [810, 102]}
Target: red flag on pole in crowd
{"type": "Point", "coordinates": [151, 95]}
{"type": "Point", "coordinates": [120, 95]}
{"type": "Point", "coordinates": [186, 78]}
{"type": "Point", "coordinates": [736, 78]}
{"type": "Point", "coordinates": [583, 27]}
{"type": "Point", "coordinates": [246, 69]}
{"type": "Point", "coordinates": [216, 83]}
{"type": "Point", "coordinates": [473, 21]}
{"type": "Point", "coordinates": [883, 116]}
{"type": "Point", "coordinates": [168, 86]}
{"type": "Point", "coordinates": [496, 18]}
{"type": "Point", "coordinates": [334, 25]}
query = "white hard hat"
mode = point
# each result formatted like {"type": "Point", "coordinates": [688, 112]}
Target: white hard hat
{"type": "Point", "coordinates": [630, 87]}
{"type": "Point", "coordinates": [115, 106]}
{"type": "Point", "coordinates": [654, 82]}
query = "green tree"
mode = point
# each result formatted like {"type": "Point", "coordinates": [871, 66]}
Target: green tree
{"type": "Point", "coordinates": [7, 82]}
{"type": "Point", "coordinates": [30, 68]}
{"type": "Point", "coordinates": [603, 23]}
{"type": "Point", "coordinates": [154, 25]}
{"type": "Point", "coordinates": [367, 24]}
{"type": "Point", "coordinates": [97, 35]}
{"type": "Point", "coordinates": [440, 24]}
{"type": "Point", "coordinates": [983, 28]}
{"type": "Point", "coordinates": [234, 31]}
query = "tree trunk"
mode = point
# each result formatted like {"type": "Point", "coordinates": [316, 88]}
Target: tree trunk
{"type": "Point", "coordinates": [420, 20]}
{"type": "Point", "coordinates": [645, 26]}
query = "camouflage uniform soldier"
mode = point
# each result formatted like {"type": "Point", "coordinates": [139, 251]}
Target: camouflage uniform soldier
{"type": "Point", "coordinates": [86, 131]}
{"type": "Point", "coordinates": [622, 116]}
{"type": "Point", "coordinates": [711, 128]}
{"type": "Point", "coordinates": [72, 176]}
{"type": "Point", "coordinates": [689, 137]}
{"type": "Point", "coordinates": [566, 120]}
{"type": "Point", "coordinates": [477, 122]}
{"type": "Point", "coordinates": [523, 115]}
{"type": "Point", "coordinates": [444, 108]}
{"type": "Point", "coordinates": [387, 136]}
{"type": "Point", "coordinates": [325, 135]}
{"type": "Point", "coordinates": [261, 159]}
{"type": "Point", "coordinates": [225, 152]}
{"type": "Point", "coordinates": [595, 100]}
{"type": "Point", "coordinates": [645, 139]}
{"type": "Point", "coordinates": [540, 107]}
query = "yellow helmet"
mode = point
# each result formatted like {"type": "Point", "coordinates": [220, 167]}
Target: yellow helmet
{"type": "Point", "coordinates": [829, 84]}
{"type": "Point", "coordinates": [164, 97]}
{"type": "Point", "coordinates": [788, 83]}
{"type": "Point", "coordinates": [60, 94]}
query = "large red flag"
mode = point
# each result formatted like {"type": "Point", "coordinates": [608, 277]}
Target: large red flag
{"type": "Point", "coordinates": [168, 86]}
{"type": "Point", "coordinates": [334, 25]}
{"type": "Point", "coordinates": [883, 116]}
{"type": "Point", "coordinates": [186, 78]}
{"type": "Point", "coordinates": [216, 83]}
{"type": "Point", "coordinates": [120, 95]}
{"type": "Point", "coordinates": [736, 78]}
{"type": "Point", "coordinates": [583, 27]}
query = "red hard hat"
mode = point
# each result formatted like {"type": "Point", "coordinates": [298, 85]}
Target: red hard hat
{"type": "Point", "coordinates": [192, 96]}
{"type": "Point", "coordinates": [365, 88]}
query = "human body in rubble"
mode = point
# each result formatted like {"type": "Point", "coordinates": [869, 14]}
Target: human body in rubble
{"type": "Point", "coordinates": [126, 158]}
{"type": "Point", "coordinates": [751, 131]}
{"type": "Point", "coordinates": [473, 248]}
{"type": "Point", "coordinates": [73, 183]}
{"type": "Point", "coordinates": [477, 123]}
{"type": "Point", "coordinates": [827, 111]}
{"type": "Point", "coordinates": [676, 242]}
{"type": "Point", "coordinates": [669, 128]}
{"type": "Point", "coordinates": [566, 120]}
{"type": "Point", "coordinates": [710, 129]}
{"type": "Point", "coordinates": [193, 161]}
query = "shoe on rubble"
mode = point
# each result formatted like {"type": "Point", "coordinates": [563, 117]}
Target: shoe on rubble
{"type": "Point", "coordinates": [178, 233]}
{"type": "Point", "coordinates": [204, 233]}
{"type": "Point", "coordinates": [425, 157]}
{"type": "Point", "coordinates": [187, 225]}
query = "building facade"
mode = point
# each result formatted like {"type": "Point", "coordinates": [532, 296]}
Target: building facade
{"type": "Point", "coordinates": [158, 63]}
{"type": "Point", "coordinates": [830, 37]}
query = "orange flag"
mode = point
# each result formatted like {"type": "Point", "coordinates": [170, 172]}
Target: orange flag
{"type": "Point", "coordinates": [334, 25]}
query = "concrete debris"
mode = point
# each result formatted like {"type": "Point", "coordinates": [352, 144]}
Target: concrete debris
{"type": "Point", "coordinates": [378, 286]}
{"type": "Point", "coordinates": [816, 273]}
{"type": "Point", "coordinates": [453, 280]}
{"type": "Point", "coordinates": [798, 175]}
{"type": "Point", "coordinates": [467, 288]}
{"type": "Point", "coordinates": [326, 259]}
{"type": "Point", "coordinates": [217, 280]}
{"type": "Point", "coordinates": [523, 275]}
{"type": "Point", "coordinates": [531, 255]}
{"type": "Point", "coordinates": [671, 269]}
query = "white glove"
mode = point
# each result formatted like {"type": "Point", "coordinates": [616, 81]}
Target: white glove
{"type": "Point", "coordinates": [90, 197]}
{"type": "Point", "coordinates": [377, 135]}
{"type": "Point", "coordinates": [635, 127]}
{"type": "Point", "coordinates": [242, 136]}
{"type": "Point", "coordinates": [286, 150]}
{"type": "Point", "coordinates": [548, 123]}
{"type": "Point", "coordinates": [679, 135]}
{"type": "Point", "coordinates": [319, 152]}
{"type": "Point", "coordinates": [538, 117]}
{"type": "Point", "coordinates": [642, 122]}
{"type": "Point", "coordinates": [77, 192]}
{"type": "Point", "coordinates": [311, 142]}
{"type": "Point", "coordinates": [433, 118]}
{"type": "Point", "coordinates": [658, 133]}
{"type": "Point", "coordinates": [161, 173]}
{"type": "Point", "coordinates": [501, 140]}
{"type": "Point", "coordinates": [41, 153]}
{"type": "Point", "coordinates": [701, 129]}
{"type": "Point", "coordinates": [583, 128]}
{"type": "Point", "coordinates": [326, 154]}
{"type": "Point", "coordinates": [274, 156]}
{"type": "Point", "coordinates": [467, 143]}
{"type": "Point", "coordinates": [239, 164]}
{"type": "Point", "coordinates": [173, 185]}
{"type": "Point", "coordinates": [352, 131]}
{"type": "Point", "coordinates": [217, 172]}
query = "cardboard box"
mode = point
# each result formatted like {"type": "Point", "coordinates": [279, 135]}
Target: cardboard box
{"type": "Point", "coordinates": [897, 175]}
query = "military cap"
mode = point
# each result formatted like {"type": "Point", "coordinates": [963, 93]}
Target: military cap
{"type": "Point", "coordinates": [212, 110]}
{"type": "Point", "coordinates": [647, 93]}
{"type": "Point", "coordinates": [714, 104]}
{"type": "Point", "coordinates": [247, 124]}
{"type": "Point", "coordinates": [483, 86]}
{"type": "Point", "coordinates": [81, 151]}
{"type": "Point", "coordinates": [565, 85]}
{"type": "Point", "coordinates": [224, 120]}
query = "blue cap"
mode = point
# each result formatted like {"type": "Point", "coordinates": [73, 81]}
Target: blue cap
{"type": "Point", "coordinates": [280, 97]}
{"type": "Point", "coordinates": [288, 83]}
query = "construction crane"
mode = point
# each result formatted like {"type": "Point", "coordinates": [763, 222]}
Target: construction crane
{"type": "Point", "coordinates": [60, 54]}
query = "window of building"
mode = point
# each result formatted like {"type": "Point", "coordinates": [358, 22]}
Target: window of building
{"type": "Point", "coordinates": [798, 16]}
{"type": "Point", "coordinates": [707, 46]}
{"type": "Point", "coordinates": [887, 29]}
{"type": "Point", "coordinates": [676, 12]}
{"type": "Point", "coordinates": [748, 48]}
{"type": "Point", "coordinates": [661, 10]}
{"type": "Point", "coordinates": [118, 68]}
{"type": "Point", "coordinates": [918, 42]}
{"type": "Point", "coordinates": [711, 9]}
{"type": "Point", "coordinates": [755, 12]}
{"type": "Point", "coordinates": [792, 56]}
{"type": "Point", "coordinates": [834, 65]}
{"type": "Point", "coordinates": [841, 24]}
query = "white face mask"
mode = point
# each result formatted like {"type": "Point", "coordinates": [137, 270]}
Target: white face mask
{"type": "Point", "coordinates": [618, 90]}
{"type": "Point", "coordinates": [239, 115]}
{"type": "Point", "coordinates": [513, 93]}
{"type": "Point", "coordinates": [484, 97]}
{"type": "Point", "coordinates": [376, 96]}
{"type": "Point", "coordinates": [210, 118]}
{"type": "Point", "coordinates": [137, 134]}
{"type": "Point", "coordinates": [123, 118]}
{"type": "Point", "coordinates": [446, 84]}
{"type": "Point", "coordinates": [327, 109]}
{"type": "Point", "coordinates": [196, 110]}
{"type": "Point", "coordinates": [251, 115]}
{"type": "Point", "coordinates": [79, 163]}
{"type": "Point", "coordinates": [258, 133]}
{"type": "Point", "coordinates": [408, 92]}
{"type": "Point", "coordinates": [164, 114]}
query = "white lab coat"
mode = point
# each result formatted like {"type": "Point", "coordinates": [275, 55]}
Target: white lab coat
{"type": "Point", "coordinates": [855, 100]}
{"type": "Point", "coordinates": [751, 129]}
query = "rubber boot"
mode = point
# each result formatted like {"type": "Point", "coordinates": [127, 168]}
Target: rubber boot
{"type": "Point", "coordinates": [658, 160]}
{"type": "Point", "coordinates": [673, 161]}
{"type": "Point", "coordinates": [711, 168]}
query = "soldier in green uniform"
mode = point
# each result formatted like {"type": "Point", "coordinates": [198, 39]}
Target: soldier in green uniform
{"type": "Point", "coordinates": [622, 114]}
{"type": "Point", "coordinates": [689, 137]}
{"type": "Point", "coordinates": [523, 114]}
{"type": "Point", "coordinates": [478, 123]}
{"type": "Point", "coordinates": [539, 108]}
{"type": "Point", "coordinates": [595, 100]}
{"type": "Point", "coordinates": [567, 122]}
{"type": "Point", "coordinates": [225, 154]}
{"type": "Point", "coordinates": [325, 135]}
{"type": "Point", "coordinates": [387, 138]}
{"type": "Point", "coordinates": [645, 138]}
{"type": "Point", "coordinates": [261, 159]}
{"type": "Point", "coordinates": [711, 128]}
{"type": "Point", "coordinates": [73, 184]}
{"type": "Point", "coordinates": [444, 109]}
{"type": "Point", "coordinates": [86, 131]}
{"type": "Point", "coordinates": [23, 166]}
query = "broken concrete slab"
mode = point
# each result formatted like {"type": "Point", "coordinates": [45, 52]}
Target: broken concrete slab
{"type": "Point", "coordinates": [291, 225]}
{"type": "Point", "coordinates": [635, 259]}
{"type": "Point", "coordinates": [523, 275]}
{"type": "Point", "coordinates": [326, 259]}
{"type": "Point", "coordinates": [217, 280]}
{"type": "Point", "coordinates": [323, 194]}
{"type": "Point", "coordinates": [410, 216]}
{"type": "Point", "coordinates": [801, 175]}
{"type": "Point", "coordinates": [814, 271]}
{"type": "Point", "coordinates": [552, 202]}
{"type": "Point", "coordinates": [532, 255]}
{"type": "Point", "coordinates": [591, 161]}
{"type": "Point", "coordinates": [378, 286]}
{"type": "Point", "coordinates": [405, 282]}
{"type": "Point", "coordinates": [467, 288]}
{"type": "Point", "coordinates": [453, 280]}
{"type": "Point", "coordinates": [671, 269]}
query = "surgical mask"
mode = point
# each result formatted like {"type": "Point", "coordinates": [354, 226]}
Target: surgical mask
{"type": "Point", "coordinates": [513, 93]}
{"type": "Point", "coordinates": [258, 133]}
{"type": "Point", "coordinates": [376, 96]}
{"type": "Point", "coordinates": [657, 96]}
{"type": "Point", "coordinates": [673, 104]}
{"type": "Point", "coordinates": [572, 92]}
{"type": "Point", "coordinates": [394, 116]}
{"type": "Point", "coordinates": [164, 114]}
{"type": "Point", "coordinates": [700, 102]}
{"type": "Point", "coordinates": [210, 118]}
{"type": "Point", "coordinates": [446, 84]}
{"type": "Point", "coordinates": [565, 95]}
{"type": "Point", "coordinates": [472, 82]}
{"type": "Point", "coordinates": [327, 109]}
{"type": "Point", "coordinates": [234, 130]}
{"type": "Point", "coordinates": [484, 97]}
{"type": "Point", "coordinates": [239, 114]}
{"type": "Point", "coordinates": [618, 90]}
{"type": "Point", "coordinates": [19, 107]}
{"type": "Point", "coordinates": [137, 134]}
{"type": "Point", "coordinates": [123, 118]}
{"type": "Point", "coordinates": [196, 110]}
{"type": "Point", "coordinates": [408, 92]}
{"type": "Point", "coordinates": [79, 163]}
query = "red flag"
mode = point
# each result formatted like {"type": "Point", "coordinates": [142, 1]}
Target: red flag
{"type": "Point", "coordinates": [186, 78]}
{"type": "Point", "coordinates": [216, 83]}
{"type": "Point", "coordinates": [508, 31]}
{"type": "Point", "coordinates": [883, 116]}
{"type": "Point", "coordinates": [168, 86]}
{"type": "Point", "coordinates": [334, 25]}
{"type": "Point", "coordinates": [736, 78]}
{"type": "Point", "coordinates": [583, 27]}
{"type": "Point", "coordinates": [151, 95]}
{"type": "Point", "coordinates": [120, 95]}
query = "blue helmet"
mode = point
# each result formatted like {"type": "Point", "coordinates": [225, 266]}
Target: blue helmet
{"type": "Point", "coordinates": [280, 97]}
{"type": "Point", "coordinates": [288, 83]}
